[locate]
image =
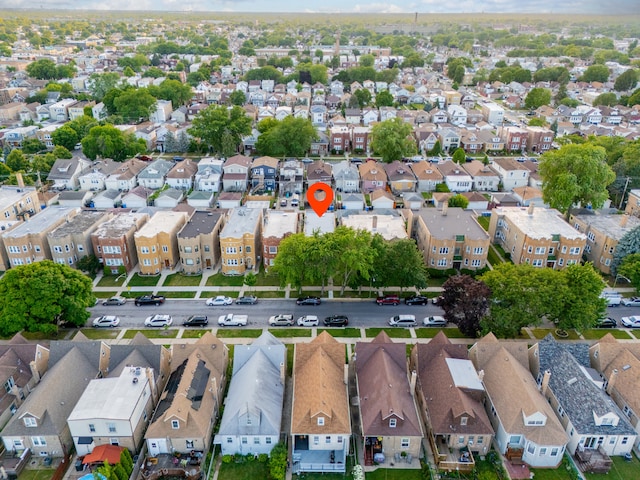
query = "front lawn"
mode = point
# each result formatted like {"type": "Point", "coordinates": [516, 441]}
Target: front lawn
{"type": "Point", "coordinates": [111, 281]}
{"type": "Point", "coordinates": [239, 332]}
{"type": "Point", "coordinates": [598, 333]}
{"type": "Point", "coordinates": [559, 473]}
{"type": "Point", "coordinates": [341, 332]}
{"type": "Point", "coordinates": [540, 333]}
{"type": "Point", "coordinates": [100, 333]}
{"type": "Point", "coordinates": [149, 333]}
{"type": "Point", "coordinates": [180, 280]}
{"type": "Point", "coordinates": [430, 332]}
{"type": "Point", "coordinates": [174, 294]}
{"type": "Point", "coordinates": [290, 332]}
{"type": "Point", "coordinates": [194, 333]}
{"type": "Point", "coordinates": [492, 256]}
{"type": "Point", "coordinates": [392, 332]}
{"type": "Point", "coordinates": [270, 294]}
{"type": "Point", "coordinates": [105, 294]}
{"type": "Point", "coordinates": [394, 474]}
{"type": "Point", "coordinates": [37, 474]}
{"type": "Point", "coordinates": [220, 280]}
{"type": "Point", "coordinates": [143, 280]}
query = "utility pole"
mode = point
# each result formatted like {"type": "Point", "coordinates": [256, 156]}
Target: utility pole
{"type": "Point", "coordinates": [624, 191]}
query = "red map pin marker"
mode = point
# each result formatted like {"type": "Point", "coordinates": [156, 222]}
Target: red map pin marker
{"type": "Point", "coordinates": [321, 204]}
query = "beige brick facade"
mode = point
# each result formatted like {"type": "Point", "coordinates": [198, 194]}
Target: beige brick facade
{"type": "Point", "coordinates": [240, 241]}
{"type": "Point", "coordinates": [157, 242]}
{"type": "Point", "coordinates": [199, 242]}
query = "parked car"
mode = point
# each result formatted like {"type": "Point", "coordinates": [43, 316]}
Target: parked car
{"type": "Point", "coordinates": [434, 321]}
{"type": "Point", "coordinates": [631, 322]}
{"type": "Point", "coordinates": [196, 321]}
{"type": "Point", "coordinates": [247, 300]}
{"type": "Point", "coordinates": [416, 300]}
{"type": "Point", "coordinates": [308, 321]}
{"type": "Point", "coordinates": [115, 301]}
{"type": "Point", "coordinates": [388, 300]}
{"type": "Point", "coordinates": [402, 321]}
{"type": "Point", "coordinates": [308, 301]}
{"type": "Point", "coordinates": [218, 301]}
{"type": "Point", "coordinates": [284, 319]}
{"type": "Point", "coordinates": [631, 302]}
{"type": "Point", "coordinates": [336, 321]}
{"type": "Point", "coordinates": [437, 300]}
{"type": "Point", "coordinates": [158, 320]}
{"type": "Point", "coordinates": [106, 321]}
{"type": "Point", "coordinates": [613, 298]}
{"type": "Point", "coordinates": [149, 300]}
{"type": "Point", "coordinates": [607, 322]}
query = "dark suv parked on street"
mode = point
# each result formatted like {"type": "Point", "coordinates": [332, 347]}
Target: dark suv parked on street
{"type": "Point", "coordinates": [196, 321]}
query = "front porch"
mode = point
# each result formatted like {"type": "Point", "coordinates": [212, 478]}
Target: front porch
{"type": "Point", "coordinates": [318, 461]}
{"type": "Point", "coordinates": [592, 460]}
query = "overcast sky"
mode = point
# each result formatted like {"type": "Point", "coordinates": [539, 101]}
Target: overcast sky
{"type": "Point", "coordinates": [346, 6]}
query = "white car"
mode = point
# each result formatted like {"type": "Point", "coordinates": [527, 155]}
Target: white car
{"type": "Point", "coordinates": [106, 321]}
{"type": "Point", "coordinates": [158, 320]}
{"type": "Point", "coordinates": [283, 319]}
{"type": "Point", "coordinates": [631, 322]}
{"type": "Point", "coordinates": [435, 321]}
{"type": "Point", "coordinates": [631, 302]}
{"type": "Point", "coordinates": [219, 301]}
{"type": "Point", "coordinates": [403, 321]}
{"type": "Point", "coordinates": [308, 321]}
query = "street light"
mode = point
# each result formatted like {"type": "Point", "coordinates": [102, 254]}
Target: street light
{"type": "Point", "coordinates": [620, 276]}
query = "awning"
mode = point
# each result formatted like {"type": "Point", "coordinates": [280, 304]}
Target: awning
{"type": "Point", "coordinates": [110, 453]}
{"type": "Point", "coordinates": [85, 440]}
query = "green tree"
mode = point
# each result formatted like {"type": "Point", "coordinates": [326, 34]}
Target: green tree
{"type": "Point", "coordinates": [366, 60]}
{"type": "Point", "coordinates": [575, 174]}
{"type": "Point", "coordinates": [61, 152]}
{"type": "Point", "coordinates": [250, 279]}
{"type": "Point", "coordinates": [290, 262]}
{"type": "Point", "coordinates": [43, 69]}
{"type": "Point", "coordinates": [237, 97]}
{"type": "Point", "coordinates": [126, 461]}
{"type": "Point", "coordinates": [521, 295]}
{"type": "Point", "coordinates": [595, 73]}
{"type": "Point", "coordinates": [289, 137]}
{"type": "Point", "coordinates": [384, 99]}
{"type": "Point", "coordinates": [66, 137]}
{"type": "Point", "coordinates": [36, 297]}
{"type": "Point", "coordinates": [458, 200]}
{"type": "Point", "coordinates": [630, 267]}
{"type": "Point", "coordinates": [363, 96]}
{"type": "Point", "coordinates": [406, 264]}
{"type": "Point", "coordinates": [16, 161]}
{"type": "Point", "coordinates": [537, 97]}
{"type": "Point", "coordinates": [90, 264]}
{"type": "Point", "coordinates": [465, 302]}
{"type": "Point", "coordinates": [609, 99]}
{"type": "Point", "coordinates": [100, 83]}
{"type": "Point", "coordinates": [109, 142]}
{"type": "Point", "coordinates": [436, 150]}
{"type": "Point", "coordinates": [278, 462]}
{"type": "Point", "coordinates": [459, 156]}
{"type": "Point", "coordinates": [356, 258]}
{"type": "Point", "coordinates": [128, 72]}
{"type": "Point", "coordinates": [393, 140]}
{"type": "Point", "coordinates": [626, 81]}
{"type": "Point", "coordinates": [212, 122]}
{"type": "Point", "coordinates": [537, 122]}
{"type": "Point", "coordinates": [134, 104]}
{"type": "Point", "coordinates": [582, 303]}
{"type": "Point", "coordinates": [179, 93]}
{"type": "Point", "coordinates": [33, 145]}
{"type": "Point", "coordinates": [629, 244]}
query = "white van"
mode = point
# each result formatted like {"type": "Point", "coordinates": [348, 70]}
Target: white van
{"type": "Point", "coordinates": [612, 297]}
{"type": "Point", "coordinates": [403, 321]}
{"type": "Point", "coordinates": [295, 200]}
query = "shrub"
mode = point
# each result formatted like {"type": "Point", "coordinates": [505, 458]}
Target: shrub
{"type": "Point", "coordinates": [278, 462]}
{"type": "Point", "coordinates": [358, 472]}
{"type": "Point", "coordinates": [227, 458]}
{"type": "Point", "coordinates": [250, 457]}
{"type": "Point", "coordinates": [263, 458]}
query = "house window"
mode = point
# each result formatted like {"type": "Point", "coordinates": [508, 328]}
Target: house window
{"type": "Point", "coordinates": [480, 440]}
{"type": "Point", "coordinates": [175, 424]}
{"type": "Point", "coordinates": [92, 427]}
{"type": "Point", "coordinates": [189, 443]}
{"type": "Point", "coordinates": [229, 439]}
{"type": "Point", "coordinates": [247, 249]}
{"type": "Point", "coordinates": [142, 249]}
{"type": "Point", "coordinates": [560, 411]}
{"type": "Point", "coordinates": [627, 411]}
{"type": "Point", "coordinates": [339, 439]}
{"type": "Point", "coordinates": [256, 440]}
{"type": "Point", "coordinates": [475, 263]}
{"type": "Point", "coordinates": [554, 452]}
{"type": "Point", "coordinates": [444, 250]}
{"type": "Point", "coordinates": [393, 422]}
{"type": "Point", "coordinates": [30, 422]}
{"type": "Point", "coordinates": [267, 440]}
{"type": "Point", "coordinates": [461, 440]}
{"type": "Point", "coordinates": [273, 250]}
{"type": "Point", "coordinates": [540, 250]}
{"type": "Point", "coordinates": [515, 439]}
{"type": "Point", "coordinates": [442, 262]}
{"type": "Point", "coordinates": [463, 420]}
{"type": "Point", "coordinates": [165, 249]}
{"type": "Point", "coordinates": [316, 440]}
{"type": "Point", "coordinates": [530, 249]}
{"type": "Point", "coordinates": [320, 421]}
{"type": "Point", "coordinates": [244, 440]}
{"type": "Point", "coordinates": [624, 440]}
{"type": "Point", "coordinates": [206, 248]}
{"type": "Point", "coordinates": [531, 448]}
{"type": "Point", "coordinates": [542, 452]}
{"type": "Point", "coordinates": [9, 384]}
{"type": "Point", "coordinates": [478, 250]}
{"type": "Point", "coordinates": [38, 441]}
{"type": "Point", "coordinates": [574, 251]}
{"type": "Point", "coordinates": [111, 427]}
{"type": "Point", "coordinates": [404, 443]}
{"type": "Point", "coordinates": [327, 439]}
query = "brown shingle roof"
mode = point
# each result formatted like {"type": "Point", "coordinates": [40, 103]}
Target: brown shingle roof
{"type": "Point", "coordinates": [318, 387]}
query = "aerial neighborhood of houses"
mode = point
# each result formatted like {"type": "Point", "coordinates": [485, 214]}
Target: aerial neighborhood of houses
{"type": "Point", "coordinates": [178, 210]}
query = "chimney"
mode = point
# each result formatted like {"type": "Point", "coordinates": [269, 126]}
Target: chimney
{"type": "Point", "coordinates": [412, 382]}
{"type": "Point", "coordinates": [152, 384]}
{"type": "Point", "coordinates": [445, 207]}
{"type": "Point", "coordinates": [530, 209]}
{"type": "Point", "coordinates": [346, 374]}
{"type": "Point", "coordinates": [481, 375]}
{"type": "Point", "coordinates": [283, 372]}
{"type": "Point", "coordinates": [214, 385]}
{"type": "Point", "coordinates": [623, 220]}
{"type": "Point", "coordinates": [374, 222]}
{"type": "Point", "coordinates": [19, 179]}
{"type": "Point", "coordinates": [15, 391]}
{"type": "Point", "coordinates": [612, 381]}
{"type": "Point", "coordinates": [545, 381]}
{"type": "Point", "coordinates": [34, 371]}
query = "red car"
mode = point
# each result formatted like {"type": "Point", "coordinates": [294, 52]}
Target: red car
{"type": "Point", "coordinates": [388, 300]}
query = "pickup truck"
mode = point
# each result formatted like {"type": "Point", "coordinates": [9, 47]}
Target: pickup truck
{"type": "Point", "coordinates": [149, 300]}
{"type": "Point", "coordinates": [232, 320]}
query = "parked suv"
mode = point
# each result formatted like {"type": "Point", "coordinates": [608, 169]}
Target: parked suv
{"type": "Point", "coordinates": [388, 300]}
{"type": "Point", "coordinates": [158, 320]}
{"type": "Point", "coordinates": [196, 321]}
{"type": "Point", "coordinates": [403, 321]}
{"type": "Point", "coordinates": [416, 300]}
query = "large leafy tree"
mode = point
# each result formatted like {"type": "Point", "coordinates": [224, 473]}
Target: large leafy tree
{"type": "Point", "coordinates": [134, 104]}
{"type": "Point", "coordinates": [595, 73]}
{"type": "Point", "coordinates": [575, 174]}
{"type": "Point", "coordinates": [179, 93]}
{"type": "Point", "coordinates": [521, 295]}
{"type": "Point", "coordinates": [289, 137]}
{"type": "Point", "coordinates": [392, 140]}
{"type": "Point", "coordinates": [626, 81]}
{"type": "Point", "coordinates": [537, 97]}
{"type": "Point", "coordinates": [214, 121]}
{"type": "Point", "coordinates": [399, 263]}
{"type": "Point", "coordinates": [355, 258]}
{"type": "Point", "coordinates": [100, 83]}
{"type": "Point", "coordinates": [291, 262]}
{"type": "Point", "coordinates": [384, 99]}
{"type": "Point", "coordinates": [630, 268]}
{"type": "Point", "coordinates": [465, 302]}
{"type": "Point", "coordinates": [36, 297]}
{"type": "Point", "coordinates": [628, 245]}
{"type": "Point", "coordinates": [66, 137]}
{"type": "Point", "coordinates": [43, 69]}
{"type": "Point", "coordinates": [16, 161]}
{"type": "Point", "coordinates": [109, 142]}
{"type": "Point", "coordinates": [582, 302]}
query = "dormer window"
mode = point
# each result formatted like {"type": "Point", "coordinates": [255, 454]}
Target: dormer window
{"type": "Point", "coordinates": [463, 420]}
{"type": "Point", "coordinates": [30, 422]}
{"type": "Point", "coordinates": [320, 421]}
{"type": "Point", "coordinates": [175, 424]}
{"type": "Point", "coordinates": [393, 422]}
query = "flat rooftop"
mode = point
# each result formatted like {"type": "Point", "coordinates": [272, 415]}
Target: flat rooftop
{"type": "Point", "coordinates": [78, 224]}
{"type": "Point", "coordinates": [542, 223]}
{"type": "Point", "coordinates": [162, 221]}
{"type": "Point", "coordinates": [10, 195]}
{"type": "Point", "coordinates": [455, 221]}
{"type": "Point", "coordinates": [278, 223]}
{"type": "Point", "coordinates": [324, 224]}
{"type": "Point", "coordinates": [610, 224]}
{"type": "Point", "coordinates": [41, 221]}
{"type": "Point", "coordinates": [389, 226]}
{"type": "Point", "coordinates": [241, 221]}
{"type": "Point", "coordinates": [200, 223]}
{"type": "Point", "coordinates": [120, 225]}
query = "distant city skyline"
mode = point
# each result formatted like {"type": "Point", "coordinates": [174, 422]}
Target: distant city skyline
{"type": "Point", "coordinates": [341, 6]}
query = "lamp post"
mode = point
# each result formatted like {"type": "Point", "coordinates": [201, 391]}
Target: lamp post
{"type": "Point", "coordinates": [620, 276]}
